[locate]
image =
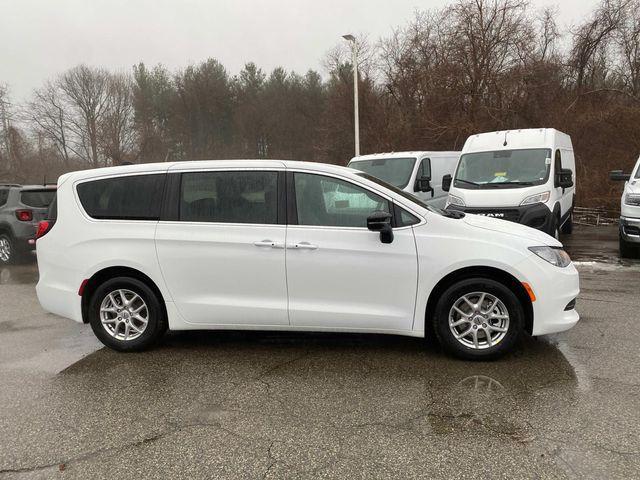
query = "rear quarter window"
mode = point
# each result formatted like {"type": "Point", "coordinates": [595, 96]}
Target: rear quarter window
{"type": "Point", "coordinates": [37, 198]}
{"type": "Point", "coordinates": [136, 197]}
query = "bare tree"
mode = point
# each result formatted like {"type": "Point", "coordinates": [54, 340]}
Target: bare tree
{"type": "Point", "coordinates": [46, 112]}
{"type": "Point", "coordinates": [117, 137]}
{"type": "Point", "coordinates": [548, 33]}
{"type": "Point", "coordinates": [628, 42]}
{"type": "Point", "coordinates": [87, 96]}
{"type": "Point", "coordinates": [590, 41]}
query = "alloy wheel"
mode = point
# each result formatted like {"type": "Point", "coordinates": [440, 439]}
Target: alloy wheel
{"type": "Point", "coordinates": [479, 320]}
{"type": "Point", "coordinates": [5, 249]}
{"type": "Point", "coordinates": [124, 314]}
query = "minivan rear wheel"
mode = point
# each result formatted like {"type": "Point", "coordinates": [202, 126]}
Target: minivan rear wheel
{"type": "Point", "coordinates": [126, 315]}
{"type": "Point", "coordinates": [478, 318]}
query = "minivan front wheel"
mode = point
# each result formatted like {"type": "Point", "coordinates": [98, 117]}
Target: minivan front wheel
{"type": "Point", "coordinates": [478, 318]}
{"type": "Point", "coordinates": [126, 315]}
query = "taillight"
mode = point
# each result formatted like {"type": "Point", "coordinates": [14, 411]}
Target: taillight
{"type": "Point", "coordinates": [24, 215]}
{"type": "Point", "coordinates": [43, 228]}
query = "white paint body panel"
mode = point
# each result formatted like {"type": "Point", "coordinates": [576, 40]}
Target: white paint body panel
{"type": "Point", "coordinates": [352, 280]}
{"type": "Point", "coordinates": [217, 276]}
{"type": "Point", "coordinates": [631, 186]}
{"type": "Point", "coordinates": [213, 276]}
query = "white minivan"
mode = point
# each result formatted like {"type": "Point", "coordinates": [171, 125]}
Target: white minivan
{"type": "Point", "coordinates": [418, 173]}
{"type": "Point", "coordinates": [525, 176]}
{"type": "Point", "coordinates": [281, 245]}
{"type": "Point", "coordinates": [629, 231]}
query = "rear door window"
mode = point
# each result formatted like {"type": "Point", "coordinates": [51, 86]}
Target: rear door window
{"type": "Point", "coordinates": [229, 197]}
{"type": "Point", "coordinates": [37, 198]}
{"type": "Point", "coordinates": [136, 197]}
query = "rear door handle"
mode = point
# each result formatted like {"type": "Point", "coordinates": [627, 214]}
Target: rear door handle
{"type": "Point", "coordinates": [303, 246]}
{"type": "Point", "coordinates": [268, 243]}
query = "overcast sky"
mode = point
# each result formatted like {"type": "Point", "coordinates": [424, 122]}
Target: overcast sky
{"type": "Point", "coordinates": [41, 38]}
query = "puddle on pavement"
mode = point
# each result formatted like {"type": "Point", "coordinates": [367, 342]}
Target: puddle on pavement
{"type": "Point", "coordinates": [21, 274]}
{"type": "Point", "coordinates": [334, 379]}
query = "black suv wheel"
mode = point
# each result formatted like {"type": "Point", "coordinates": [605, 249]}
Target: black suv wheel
{"type": "Point", "coordinates": [7, 250]}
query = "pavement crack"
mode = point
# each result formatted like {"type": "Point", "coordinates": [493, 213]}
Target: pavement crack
{"type": "Point", "coordinates": [272, 461]}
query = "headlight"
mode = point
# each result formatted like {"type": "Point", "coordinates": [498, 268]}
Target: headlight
{"type": "Point", "coordinates": [554, 255]}
{"type": "Point", "coordinates": [537, 198]}
{"type": "Point", "coordinates": [632, 199]}
{"type": "Point", "coordinates": [453, 200]}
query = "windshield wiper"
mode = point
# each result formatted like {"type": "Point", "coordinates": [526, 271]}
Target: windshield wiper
{"type": "Point", "coordinates": [498, 184]}
{"type": "Point", "coordinates": [467, 182]}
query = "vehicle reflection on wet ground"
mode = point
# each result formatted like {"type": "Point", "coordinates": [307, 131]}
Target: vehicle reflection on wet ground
{"type": "Point", "coordinates": [273, 405]}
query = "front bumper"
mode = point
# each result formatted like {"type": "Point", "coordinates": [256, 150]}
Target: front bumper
{"type": "Point", "coordinates": [556, 290]}
{"type": "Point", "coordinates": [630, 229]}
{"type": "Point", "coordinates": [536, 216]}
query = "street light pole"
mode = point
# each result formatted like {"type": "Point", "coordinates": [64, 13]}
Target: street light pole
{"type": "Point", "coordinates": [356, 121]}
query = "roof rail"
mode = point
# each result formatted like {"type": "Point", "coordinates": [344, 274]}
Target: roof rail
{"type": "Point", "coordinates": [10, 185]}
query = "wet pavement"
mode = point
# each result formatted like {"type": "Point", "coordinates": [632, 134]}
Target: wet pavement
{"type": "Point", "coordinates": [265, 405]}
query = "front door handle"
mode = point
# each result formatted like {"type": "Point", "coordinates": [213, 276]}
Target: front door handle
{"type": "Point", "coordinates": [268, 243]}
{"type": "Point", "coordinates": [303, 246]}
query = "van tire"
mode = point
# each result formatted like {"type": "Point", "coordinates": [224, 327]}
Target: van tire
{"type": "Point", "coordinates": [451, 297]}
{"type": "Point", "coordinates": [567, 227]}
{"type": "Point", "coordinates": [628, 249]}
{"type": "Point", "coordinates": [155, 315]}
{"type": "Point", "coordinates": [555, 229]}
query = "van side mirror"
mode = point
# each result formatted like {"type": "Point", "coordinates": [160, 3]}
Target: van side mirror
{"type": "Point", "coordinates": [380, 221]}
{"type": "Point", "coordinates": [564, 178]}
{"type": "Point", "coordinates": [423, 184]}
{"type": "Point", "coordinates": [618, 176]}
{"type": "Point", "coordinates": [446, 182]}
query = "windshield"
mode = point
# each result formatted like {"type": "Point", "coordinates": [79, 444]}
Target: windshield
{"type": "Point", "coordinates": [37, 198]}
{"type": "Point", "coordinates": [395, 171]}
{"type": "Point", "coordinates": [504, 168]}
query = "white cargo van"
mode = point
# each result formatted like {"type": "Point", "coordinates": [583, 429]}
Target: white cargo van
{"type": "Point", "coordinates": [418, 173]}
{"type": "Point", "coordinates": [629, 211]}
{"type": "Point", "coordinates": [525, 176]}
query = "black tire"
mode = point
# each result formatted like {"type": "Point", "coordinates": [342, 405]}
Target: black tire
{"type": "Point", "coordinates": [157, 321]}
{"type": "Point", "coordinates": [628, 250]}
{"type": "Point", "coordinates": [468, 286]}
{"type": "Point", "coordinates": [567, 227]}
{"type": "Point", "coordinates": [555, 229]}
{"type": "Point", "coordinates": [10, 257]}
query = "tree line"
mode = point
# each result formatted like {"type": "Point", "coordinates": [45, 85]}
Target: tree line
{"type": "Point", "coordinates": [472, 66]}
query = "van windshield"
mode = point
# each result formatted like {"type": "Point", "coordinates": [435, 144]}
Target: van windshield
{"type": "Point", "coordinates": [396, 171]}
{"type": "Point", "coordinates": [504, 168]}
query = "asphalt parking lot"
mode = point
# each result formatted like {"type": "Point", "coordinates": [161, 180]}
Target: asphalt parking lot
{"type": "Point", "coordinates": [266, 405]}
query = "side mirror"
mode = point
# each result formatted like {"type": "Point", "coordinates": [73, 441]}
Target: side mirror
{"type": "Point", "coordinates": [423, 184]}
{"type": "Point", "coordinates": [380, 221]}
{"type": "Point", "coordinates": [564, 178]}
{"type": "Point", "coordinates": [618, 176]}
{"type": "Point", "coordinates": [446, 182]}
